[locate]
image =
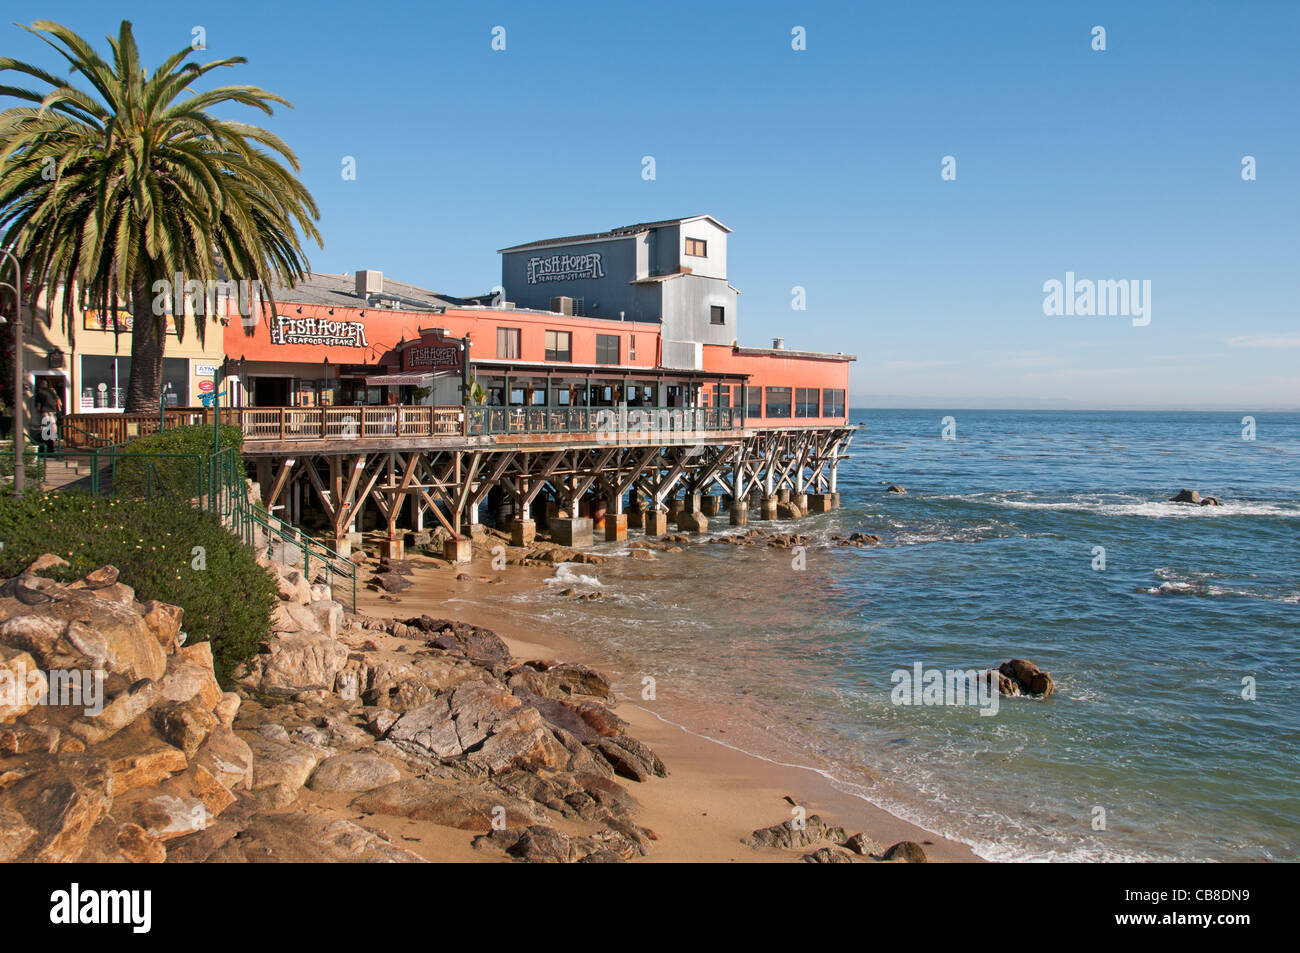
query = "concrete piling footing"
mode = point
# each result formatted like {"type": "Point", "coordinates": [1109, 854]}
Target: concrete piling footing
{"type": "Point", "coordinates": [615, 527]}
{"type": "Point", "coordinates": [711, 505]}
{"type": "Point", "coordinates": [819, 503]}
{"type": "Point", "coordinates": [770, 504]}
{"type": "Point", "coordinates": [572, 531]}
{"type": "Point", "coordinates": [739, 514]}
{"type": "Point", "coordinates": [635, 518]}
{"type": "Point", "coordinates": [656, 522]}
{"type": "Point", "coordinates": [458, 550]}
{"type": "Point", "coordinates": [522, 532]}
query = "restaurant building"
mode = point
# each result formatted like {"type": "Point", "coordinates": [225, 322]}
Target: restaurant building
{"type": "Point", "coordinates": [87, 359]}
{"type": "Point", "coordinates": [641, 316]}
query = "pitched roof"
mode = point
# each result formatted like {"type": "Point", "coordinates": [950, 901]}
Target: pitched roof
{"type": "Point", "coordinates": [341, 290]}
{"type": "Point", "coordinates": [625, 231]}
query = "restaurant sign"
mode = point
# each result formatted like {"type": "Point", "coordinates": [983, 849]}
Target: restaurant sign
{"type": "Point", "coordinates": [318, 331]}
{"type": "Point", "coordinates": [565, 268]}
{"type": "Point", "coordinates": [438, 357]}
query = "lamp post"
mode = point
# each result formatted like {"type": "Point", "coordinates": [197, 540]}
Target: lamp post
{"type": "Point", "coordinates": [20, 401]}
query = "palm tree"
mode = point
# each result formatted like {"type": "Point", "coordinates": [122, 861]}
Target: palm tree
{"type": "Point", "coordinates": [131, 181]}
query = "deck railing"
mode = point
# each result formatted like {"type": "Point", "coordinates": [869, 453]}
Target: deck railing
{"type": "Point", "coordinates": [286, 424]}
{"type": "Point", "coordinates": [599, 420]}
{"type": "Point", "coordinates": [88, 431]}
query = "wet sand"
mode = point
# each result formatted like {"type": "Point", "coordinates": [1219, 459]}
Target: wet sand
{"type": "Point", "coordinates": [714, 794]}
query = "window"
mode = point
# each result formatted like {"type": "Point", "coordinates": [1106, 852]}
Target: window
{"type": "Point", "coordinates": [631, 347]}
{"type": "Point", "coordinates": [558, 346]}
{"type": "Point", "coordinates": [104, 379]}
{"type": "Point", "coordinates": [724, 396]}
{"type": "Point", "coordinates": [717, 314]}
{"type": "Point", "coordinates": [103, 382]}
{"type": "Point", "coordinates": [508, 343]}
{"type": "Point", "coordinates": [832, 403]}
{"type": "Point", "coordinates": [778, 402]}
{"type": "Point", "coordinates": [697, 248]}
{"type": "Point", "coordinates": [606, 348]}
{"type": "Point", "coordinates": [807, 402]}
{"type": "Point", "coordinates": [754, 402]}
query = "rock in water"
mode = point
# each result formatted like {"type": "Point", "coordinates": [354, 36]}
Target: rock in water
{"type": "Point", "coordinates": [907, 851]}
{"type": "Point", "coordinates": [1185, 496]}
{"type": "Point", "coordinates": [1029, 677]}
{"type": "Point", "coordinates": [894, 488]}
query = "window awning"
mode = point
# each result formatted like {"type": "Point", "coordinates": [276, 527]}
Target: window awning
{"type": "Point", "coordinates": [411, 378]}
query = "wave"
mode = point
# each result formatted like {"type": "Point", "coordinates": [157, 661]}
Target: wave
{"type": "Point", "coordinates": [1177, 583]}
{"type": "Point", "coordinates": [565, 576]}
{"type": "Point", "coordinates": [1133, 506]}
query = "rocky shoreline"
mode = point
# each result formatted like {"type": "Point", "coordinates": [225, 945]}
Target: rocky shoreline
{"type": "Point", "coordinates": [342, 724]}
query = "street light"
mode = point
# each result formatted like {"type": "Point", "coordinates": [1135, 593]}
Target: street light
{"type": "Point", "coordinates": [20, 403]}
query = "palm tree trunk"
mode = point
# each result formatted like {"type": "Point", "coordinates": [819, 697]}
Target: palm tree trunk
{"type": "Point", "coordinates": [148, 337]}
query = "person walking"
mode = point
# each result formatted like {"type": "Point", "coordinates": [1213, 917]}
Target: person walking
{"type": "Point", "coordinates": [48, 407]}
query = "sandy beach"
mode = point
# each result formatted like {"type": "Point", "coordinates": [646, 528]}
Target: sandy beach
{"type": "Point", "coordinates": [714, 795]}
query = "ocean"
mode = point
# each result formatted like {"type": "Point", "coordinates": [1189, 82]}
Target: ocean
{"type": "Point", "coordinates": [1174, 731]}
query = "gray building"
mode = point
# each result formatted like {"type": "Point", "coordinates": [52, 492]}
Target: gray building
{"type": "Point", "coordinates": [673, 272]}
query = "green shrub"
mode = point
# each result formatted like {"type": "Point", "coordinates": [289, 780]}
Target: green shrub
{"type": "Point", "coordinates": [227, 603]}
{"type": "Point", "coordinates": [33, 463]}
{"type": "Point", "coordinates": [180, 476]}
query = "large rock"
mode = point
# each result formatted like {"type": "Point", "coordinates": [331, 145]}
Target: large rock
{"type": "Point", "coordinates": [280, 770]}
{"type": "Point", "coordinates": [294, 618]}
{"type": "Point", "coordinates": [119, 711]}
{"type": "Point", "coordinates": [427, 731]}
{"type": "Point", "coordinates": [1029, 677]}
{"type": "Point", "coordinates": [793, 834]}
{"type": "Point", "coordinates": [907, 851]}
{"type": "Point", "coordinates": [229, 758]}
{"type": "Point", "coordinates": [1186, 496]}
{"type": "Point", "coordinates": [299, 663]}
{"type": "Point", "coordinates": [357, 771]}
{"type": "Point", "coordinates": [64, 627]}
{"type": "Point", "coordinates": [22, 684]}
{"type": "Point", "coordinates": [164, 621]}
{"type": "Point", "coordinates": [308, 838]}
{"type": "Point", "coordinates": [463, 805]}
{"type": "Point", "coordinates": [329, 616]}
{"type": "Point", "coordinates": [61, 803]}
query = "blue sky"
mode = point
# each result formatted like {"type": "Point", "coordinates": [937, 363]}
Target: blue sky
{"type": "Point", "coordinates": [1122, 164]}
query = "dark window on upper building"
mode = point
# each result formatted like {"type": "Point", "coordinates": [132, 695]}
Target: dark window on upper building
{"type": "Point", "coordinates": [559, 346]}
{"type": "Point", "coordinates": [754, 402]}
{"type": "Point", "coordinates": [717, 314]}
{"type": "Point", "coordinates": [778, 402]}
{"type": "Point", "coordinates": [508, 343]}
{"type": "Point", "coordinates": [807, 402]}
{"type": "Point", "coordinates": [697, 248]}
{"type": "Point", "coordinates": [833, 403]}
{"type": "Point", "coordinates": [606, 348]}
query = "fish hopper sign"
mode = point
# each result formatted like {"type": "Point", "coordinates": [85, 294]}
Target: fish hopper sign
{"type": "Point", "coordinates": [432, 355]}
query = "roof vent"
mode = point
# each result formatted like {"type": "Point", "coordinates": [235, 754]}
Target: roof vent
{"type": "Point", "coordinates": [778, 344]}
{"type": "Point", "coordinates": [562, 305]}
{"type": "Point", "coordinates": [369, 282]}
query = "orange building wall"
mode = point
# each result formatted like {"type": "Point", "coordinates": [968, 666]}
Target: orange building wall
{"type": "Point", "coordinates": [383, 330]}
{"type": "Point", "coordinates": [793, 372]}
